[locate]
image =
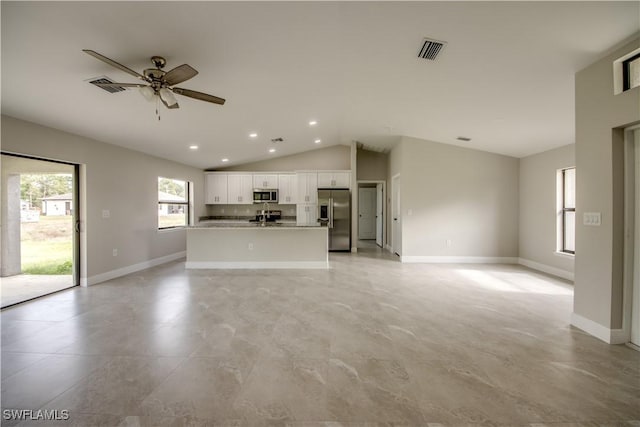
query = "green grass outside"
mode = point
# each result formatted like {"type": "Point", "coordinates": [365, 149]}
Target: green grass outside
{"type": "Point", "coordinates": [46, 246]}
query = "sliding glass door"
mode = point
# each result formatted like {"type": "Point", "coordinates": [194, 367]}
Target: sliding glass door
{"type": "Point", "coordinates": [39, 236]}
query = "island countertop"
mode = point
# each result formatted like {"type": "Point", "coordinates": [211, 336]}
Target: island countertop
{"type": "Point", "coordinates": [249, 245]}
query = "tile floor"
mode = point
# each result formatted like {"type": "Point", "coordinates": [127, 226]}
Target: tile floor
{"type": "Point", "coordinates": [370, 342]}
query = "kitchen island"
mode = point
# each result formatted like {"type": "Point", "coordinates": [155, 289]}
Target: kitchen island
{"type": "Point", "coordinates": [225, 246]}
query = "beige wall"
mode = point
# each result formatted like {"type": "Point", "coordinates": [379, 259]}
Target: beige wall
{"type": "Point", "coordinates": [538, 238]}
{"type": "Point", "coordinates": [452, 193]}
{"type": "Point", "coordinates": [372, 166]}
{"type": "Point", "coordinates": [600, 115]}
{"type": "Point", "coordinates": [120, 180]}
{"type": "Point", "coordinates": [335, 157]}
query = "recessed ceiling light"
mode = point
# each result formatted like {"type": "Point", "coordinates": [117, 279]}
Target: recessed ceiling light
{"type": "Point", "coordinates": [272, 150]}
{"type": "Point", "coordinates": [318, 141]}
{"type": "Point", "coordinates": [225, 160]}
{"type": "Point", "coordinates": [313, 123]}
{"type": "Point", "coordinates": [193, 147]}
{"type": "Point", "coordinates": [253, 135]}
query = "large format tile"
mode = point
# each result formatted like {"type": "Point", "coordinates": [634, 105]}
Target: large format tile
{"type": "Point", "coordinates": [203, 388]}
{"type": "Point", "coordinates": [369, 342]}
{"type": "Point", "coordinates": [282, 390]}
{"type": "Point", "coordinates": [117, 387]}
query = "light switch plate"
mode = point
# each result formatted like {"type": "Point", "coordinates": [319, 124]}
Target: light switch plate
{"type": "Point", "coordinates": [591, 219]}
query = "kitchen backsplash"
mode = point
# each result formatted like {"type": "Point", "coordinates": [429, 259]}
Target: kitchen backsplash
{"type": "Point", "coordinates": [248, 210]}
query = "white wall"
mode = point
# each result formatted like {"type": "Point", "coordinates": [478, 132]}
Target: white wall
{"type": "Point", "coordinates": [120, 180]}
{"type": "Point", "coordinates": [335, 157]}
{"type": "Point", "coordinates": [600, 117]}
{"type": "Point", "coordinates": [452, 193]}
{"type": "Point", "coordinates": [537, 225]}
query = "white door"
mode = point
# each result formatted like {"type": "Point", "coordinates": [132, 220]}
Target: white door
{"type": "Point", "coordinates": [366, 213]}
{"type": "Point", "coordinates": [635, 308]}
{"type": "Point", "coordinates": [379, 214]}
{"type": "Point", "coordinates": [396, 216]}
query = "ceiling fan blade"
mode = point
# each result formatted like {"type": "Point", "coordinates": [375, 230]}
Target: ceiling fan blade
{"type": "Point", "coordinates": [113, 63]}
{"type": "Point", "coordinates": [120, 84]}
{"type": "Point", "coordinates": [171, 107]}
{"type": "Point", "coordinates": [179, 74]}
{"type": "Point", "coordinates": [198, 95]}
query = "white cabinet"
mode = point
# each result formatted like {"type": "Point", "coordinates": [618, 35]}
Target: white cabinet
{"type": "Point", "coordinates": [216, 188]}
{"type": "Point", "coordinates": [265, 181]}
{"type": "Point", "coordinates": [287, 189]}
{"type": "Point", "coordinates": [307, 214]}
{"type": "Point", "coordinates": [334, 179]}
{"type": "Point", "coordinates": [240, 189]}
{"type": "Point", "coordinates": [307, 187]}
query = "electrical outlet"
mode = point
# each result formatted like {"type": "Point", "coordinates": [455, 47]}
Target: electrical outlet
{"type": "Point", "coordinates": [115, 252]}
{"type": "Point", "coordinates": [448, 242]}
{"type": "Point", "coordinates": [250, 246]}
{"type": "Point", "coordinates": [106, 213]}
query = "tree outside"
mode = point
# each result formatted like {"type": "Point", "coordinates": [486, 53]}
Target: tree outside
{"type": "Point", "coordinates": [46, 245]}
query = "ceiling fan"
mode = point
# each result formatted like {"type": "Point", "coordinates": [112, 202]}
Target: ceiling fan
{"type": "Point", "coordinates": [158, 82]}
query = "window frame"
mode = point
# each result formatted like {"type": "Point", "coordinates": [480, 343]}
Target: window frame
{"type": "Point", "coordinates": [186, 204]}
{"type": "Point", "coordinates": [626, 74]}
{"type": "Point", "coordinates": [562, 238]}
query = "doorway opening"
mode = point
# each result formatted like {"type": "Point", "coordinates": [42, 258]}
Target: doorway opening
{"type": "Point", "coordinates": [40, 245]}
{"type": "Point", "coordinates": [371, 214]}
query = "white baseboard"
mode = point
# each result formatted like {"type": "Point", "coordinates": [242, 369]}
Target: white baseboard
{"type": "Point", "coordinates": [568, 275]}
{"type": "Point", "coordinates": [610, 336]}
{"type": "Point", "coordinates": [102, 277]}
{"type": "Point", "coordinates": [459, 259]}
{"type": "Point", "coordinates": [256, 265]}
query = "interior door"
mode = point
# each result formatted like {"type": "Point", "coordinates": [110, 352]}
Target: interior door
{"type": "Point", "coordinates": [379, 215]}
{"type": "Point", "coordinates": [396, 219]}
{"type": "Point", "coordinates": [366, 213]}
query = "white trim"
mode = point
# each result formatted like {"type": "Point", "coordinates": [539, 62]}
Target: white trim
{"type": "Point", "coordinates": [610, 336]}
{"type": "Point", "coordinates": [256, 264]}
{"type": "Point", "coordinates": [568, 275]}
{"type": "Point", "coordinates": [103, 277]}
{"type": "Point", "coordinates": [564, 255]}
{"type": "Point", "coordinates": [459, 259]}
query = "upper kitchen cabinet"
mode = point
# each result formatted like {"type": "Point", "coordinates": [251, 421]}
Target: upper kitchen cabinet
{"type": "Point", "coordinates": [240, 189]}
{"type": "Point", "coordinates": [287, 189]}
{"type": "Point", "coordinates": [307, 187]}
{"type": "Point", "coordinates": [265, 181]}
{"type": "Point", "coordinates": [334, 179]}
{"type": "Point", "coordinates": [216, 188]}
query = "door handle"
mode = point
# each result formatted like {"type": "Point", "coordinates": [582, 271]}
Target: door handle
{"type": "Point", "coordinates": [77, 226]}
{"type": "Point", "coordinates": [395, 219]}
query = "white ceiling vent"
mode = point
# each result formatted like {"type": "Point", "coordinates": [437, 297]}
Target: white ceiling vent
{"type": "Point", "coordinates": [429, 49]}
{"type": "Point", "coordinates": [105, 79]}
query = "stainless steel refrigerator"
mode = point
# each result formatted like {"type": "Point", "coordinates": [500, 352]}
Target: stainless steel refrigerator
{"type": "Point", "coordinates": [334, 211]}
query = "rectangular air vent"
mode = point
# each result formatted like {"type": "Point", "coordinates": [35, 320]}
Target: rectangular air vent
{"type": "Point", "coordinates": [430, 49]}
{"type": "Point", "coordinates": [104, 79]}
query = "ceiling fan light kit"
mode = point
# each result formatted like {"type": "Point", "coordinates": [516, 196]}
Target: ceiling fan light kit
{"type": "Point", "coordinates": [159, 84]}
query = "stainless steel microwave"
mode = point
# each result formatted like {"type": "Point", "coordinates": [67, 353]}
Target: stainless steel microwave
{"type": "Point", "coordinates": [265, 196]}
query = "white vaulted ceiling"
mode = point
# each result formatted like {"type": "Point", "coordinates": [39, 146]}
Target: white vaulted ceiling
{"type": "Point", "coordinates": [504, 79]}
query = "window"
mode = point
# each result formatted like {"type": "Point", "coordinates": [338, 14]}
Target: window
{"type": "Point", "coordinates": [631, 72]}
{"type": "Point", "coordinates": [567, 211]}
{"type": "Point", "coordinates": [173, 203]}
